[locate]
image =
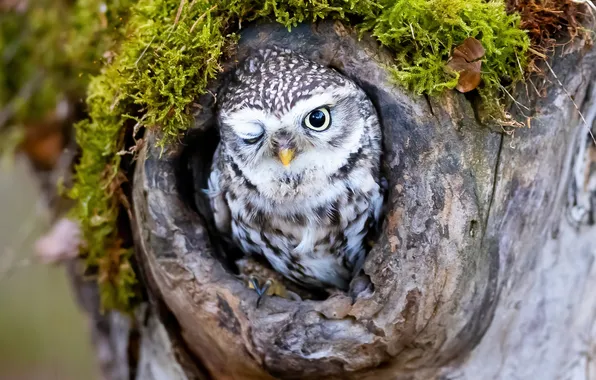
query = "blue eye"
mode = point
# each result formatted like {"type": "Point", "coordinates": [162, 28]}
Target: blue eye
{"type": "Point", "coordinates": [318, 120]}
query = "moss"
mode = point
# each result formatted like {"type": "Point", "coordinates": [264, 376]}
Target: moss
{"type": "Point", "coordinates": [425, 32]}
{"type": "Point", "coordinates": [146, 61]}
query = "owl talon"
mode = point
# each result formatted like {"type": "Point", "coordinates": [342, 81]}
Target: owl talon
{"type": "Point", "coordinates": [261, 291]}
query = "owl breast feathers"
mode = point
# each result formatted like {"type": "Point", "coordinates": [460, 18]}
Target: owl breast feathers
{"type": "Point", "coordinates": [295, 177]}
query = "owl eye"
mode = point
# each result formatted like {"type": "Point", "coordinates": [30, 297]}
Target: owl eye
{"type": "Point", "coordinates": [318, 120]}
{"type": "Point", "coordinates": [252, 140]}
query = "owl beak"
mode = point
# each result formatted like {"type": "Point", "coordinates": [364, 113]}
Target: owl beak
{"type": "Point", "coordinates": [286, 155]}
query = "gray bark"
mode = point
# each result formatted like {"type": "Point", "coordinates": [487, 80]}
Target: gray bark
{"type": "Point", "coordinates": [484, 269]}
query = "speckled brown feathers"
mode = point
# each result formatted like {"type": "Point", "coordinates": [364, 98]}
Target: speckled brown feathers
{"type": "Point", "coordinates": [309, 218]}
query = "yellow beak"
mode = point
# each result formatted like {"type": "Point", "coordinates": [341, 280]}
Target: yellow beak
{"type": "Point", "coordinates": [286, 156]}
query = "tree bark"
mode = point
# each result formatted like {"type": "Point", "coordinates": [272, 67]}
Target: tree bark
{"type": "Point", "coordinates": [484, 268]}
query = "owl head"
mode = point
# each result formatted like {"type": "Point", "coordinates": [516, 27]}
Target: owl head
{"type": "Point", "coordinates": [288, 122]}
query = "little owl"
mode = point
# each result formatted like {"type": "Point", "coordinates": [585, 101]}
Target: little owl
{"type": "Point", "coordinates": [295, 177]}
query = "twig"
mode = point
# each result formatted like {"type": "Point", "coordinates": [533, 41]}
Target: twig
{"type": "Point", "coordinates": [182, 2]}
{"type": "Point", "coordinates": [201, 17]}
{"type": "Point", "coordinates": [521, 70]}
{"type": "Point", "coordinates": [145, 50]}
{"type": "Point", "coordinates": [514, 100]}
{"type": "Point", "coordinates": [536, 52]}
{"type": "Point", "coordinates": [572, 101]}
{"type": "Point", "coordinates": [192, 3]}
{"type": "Point", "coordinates": [115, 102]}
{"type": "Point", "coordinates": [535, 88]}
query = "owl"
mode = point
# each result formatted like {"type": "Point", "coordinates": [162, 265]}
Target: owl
{"type": "Point", "coordinates": [295, 177]}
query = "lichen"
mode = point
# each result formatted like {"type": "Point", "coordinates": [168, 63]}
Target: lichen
{"type": "Point", "coordinates": [147, 61]}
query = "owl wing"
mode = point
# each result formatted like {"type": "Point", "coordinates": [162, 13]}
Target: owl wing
{"type": "Point", "coordinates": [210, 202]}
{"type": "Point", "coordinates": [377, 211]}
{"type": "Point", "coordinates": [360, 281]}
{"type": "Point", "coordinates": [217, 200]}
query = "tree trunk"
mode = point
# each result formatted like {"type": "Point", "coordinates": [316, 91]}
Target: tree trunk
{"type": "Point", "coordinates": [484, 268]}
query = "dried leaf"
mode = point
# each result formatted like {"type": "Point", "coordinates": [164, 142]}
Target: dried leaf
{"type": "Point", "coordinates": [471, 50]}
{"type": "Point", "coordinates": [466, 60]}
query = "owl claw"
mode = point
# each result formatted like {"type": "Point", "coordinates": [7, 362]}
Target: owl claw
{"type": "Point", "coordinates": [261, 291]}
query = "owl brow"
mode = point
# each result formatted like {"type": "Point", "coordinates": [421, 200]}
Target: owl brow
{"type": "Point", "coordinates": [307, 96]}
{"type": "Point", "coordinates": [306, 105]}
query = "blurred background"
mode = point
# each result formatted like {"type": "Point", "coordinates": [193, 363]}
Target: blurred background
{"type": "Point", "coordinates": [43, 334]}
{"type": "Point", "coordinates": [48, 51]}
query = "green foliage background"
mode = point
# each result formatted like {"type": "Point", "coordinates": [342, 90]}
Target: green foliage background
{"type": "Point", "coordinates": [146, 61]}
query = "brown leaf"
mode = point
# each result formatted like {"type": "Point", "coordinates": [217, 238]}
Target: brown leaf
{"type": "Point", "coordinates": [466, 60]}
{"type": "Point", "coordinates": [471, 50]}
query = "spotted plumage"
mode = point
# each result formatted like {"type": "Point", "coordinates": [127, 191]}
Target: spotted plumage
{"type": "Point", "coordinates": [296, 175]}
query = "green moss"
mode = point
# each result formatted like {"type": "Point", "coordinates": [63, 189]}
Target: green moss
{"type": "Point", "coordinates": [147, 60]}
{"type": "Point", "coordinates": [425, 32]}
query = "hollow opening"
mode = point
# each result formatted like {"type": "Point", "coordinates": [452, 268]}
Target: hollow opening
{"type": "Point", "coordinates": [193, 169]}
{"type": "Point", "coordinates": [193, 173]}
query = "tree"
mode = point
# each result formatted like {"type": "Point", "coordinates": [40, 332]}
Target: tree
{"type": "Point", "coordinates": [483, 270]}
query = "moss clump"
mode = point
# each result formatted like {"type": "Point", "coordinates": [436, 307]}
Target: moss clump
{"type": "Point", "coordinates": [171, 49]}
{"type": "Point", "coordinates": [425, 32]}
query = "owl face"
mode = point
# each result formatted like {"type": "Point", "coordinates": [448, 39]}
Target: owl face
{"type": "Point", "coordinates": [286, 121]}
